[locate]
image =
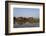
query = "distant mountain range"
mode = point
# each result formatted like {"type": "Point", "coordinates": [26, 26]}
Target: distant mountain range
{"type": "Point", "coordinates": [22, 20]}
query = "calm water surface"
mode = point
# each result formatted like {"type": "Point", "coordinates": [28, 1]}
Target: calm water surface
{"type": "Point", "coordinates": [26, 25]}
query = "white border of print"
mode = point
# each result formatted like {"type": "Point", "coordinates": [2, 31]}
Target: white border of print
{"type": "Point", "coordinates": [31, 29]}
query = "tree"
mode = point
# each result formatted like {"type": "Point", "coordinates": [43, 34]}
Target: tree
{"type": "Point", "coordinates": [14, 18]}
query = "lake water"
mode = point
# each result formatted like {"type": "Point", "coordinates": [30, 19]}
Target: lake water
{"type": "Point", "coordinates": [26, 25]}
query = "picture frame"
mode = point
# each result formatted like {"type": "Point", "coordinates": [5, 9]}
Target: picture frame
{"type": "Point", "coordinates": [9, 20]}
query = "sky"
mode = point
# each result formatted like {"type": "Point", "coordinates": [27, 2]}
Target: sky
{"type": "Point", "coordinates": [26, 12]}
